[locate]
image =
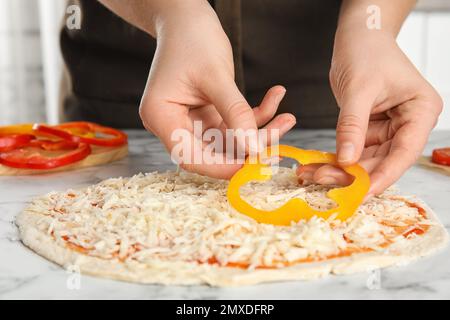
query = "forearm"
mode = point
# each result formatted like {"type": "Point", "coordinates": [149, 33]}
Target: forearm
{"type": "Point", "coordinates": [150, 15]}
{"type": "Point", "coordinates": [353, 16]}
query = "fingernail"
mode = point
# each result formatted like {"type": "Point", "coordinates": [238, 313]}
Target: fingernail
{"type": "Point", "coordinates": [327, 180]}
{"type": "Point", "coordinates": [346, 152]}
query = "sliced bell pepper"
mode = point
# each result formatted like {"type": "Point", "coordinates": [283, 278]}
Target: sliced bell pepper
{"type": "Point", "coordinates": [86, 132]}
{"type": "Point", "coordinates": [30, 158]}
{"type": "Point", "coordinates": [441, 156]}
{"type": "Point", "coordinates": [347, 198]}
{"type": "Point", "coordinates": [26, 128]}
{"type": "Point", "coordinates": [14, 141]}
{"type": "Point", "coordinates": [51, 145]}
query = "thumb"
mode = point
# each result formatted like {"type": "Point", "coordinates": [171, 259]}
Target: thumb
{"type": "Point", "coordinates": [352, 128]}
{"type": "Point", "coordinates": [231, 105]}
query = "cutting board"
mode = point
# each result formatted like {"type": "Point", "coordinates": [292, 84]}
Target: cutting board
{"type": "Point", "coordinates": [426, 161]}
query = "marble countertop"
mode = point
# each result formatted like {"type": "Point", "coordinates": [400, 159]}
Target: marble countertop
{"type": "Point", "coordinates": [25, 275]}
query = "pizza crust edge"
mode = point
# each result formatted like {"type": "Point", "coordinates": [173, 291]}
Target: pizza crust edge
{"type": "Point", "coordinates": [184, 273]}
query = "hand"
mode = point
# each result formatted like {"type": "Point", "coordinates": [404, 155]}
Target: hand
{"type": "Point", "coordinates": [192, 78]}
{"type": "Point", "coordinates": [387, 110]}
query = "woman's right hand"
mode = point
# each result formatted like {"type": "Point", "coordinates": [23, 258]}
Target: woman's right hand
{"type": "Point", "coordinates": [192, 79]}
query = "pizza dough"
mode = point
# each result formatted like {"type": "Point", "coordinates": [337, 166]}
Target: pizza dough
{"type": "Point", "coordinates": [177, 228]}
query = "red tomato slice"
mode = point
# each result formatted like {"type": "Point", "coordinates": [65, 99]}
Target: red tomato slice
{"type": "Point", "coordinates": [29, 158]}
{"type": "Point", "coordinates": [14, 141]}
{"type": "Point", "coordinates": [441, 156]}
{"type": "Point", "coordinates": [82, 132]}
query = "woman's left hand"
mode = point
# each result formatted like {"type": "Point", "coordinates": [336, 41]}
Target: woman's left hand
{"type": "Point", "coordinates": [387, 110]}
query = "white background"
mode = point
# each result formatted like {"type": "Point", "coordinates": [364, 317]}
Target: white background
{"type": "Point", "coordinates": [425, 38]}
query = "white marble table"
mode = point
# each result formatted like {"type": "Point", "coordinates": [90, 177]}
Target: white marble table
{"type": "Point", "coordinates": [25, 275]}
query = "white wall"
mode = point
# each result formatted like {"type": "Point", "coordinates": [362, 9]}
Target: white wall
{"type": "Point", "coordinates": [51, 13]}
{"type": "Point", "coordinates": [425, 38]}
{"type": "Point", "coordinates": [21, 75]}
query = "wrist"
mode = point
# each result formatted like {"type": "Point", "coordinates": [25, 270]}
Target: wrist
{"type": "Point", "coordinates": [174, 13]}
{"type": "Point", "coordinates": [349, 36]}
{"type": "Point", "coordinates": [368, 17]}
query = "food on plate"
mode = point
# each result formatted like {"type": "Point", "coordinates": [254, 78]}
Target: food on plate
{"type": "Point", "coordinates": [179, 228]}
{"type": "Point", "coordinates": [40, 148]}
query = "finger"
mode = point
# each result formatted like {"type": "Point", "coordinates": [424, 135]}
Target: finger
{"type": "Point", "coordinates": [216, 170]}
{"type": "Point", "coordinates": [370, 158]}
{"type": "Point", "coordinates": [308, 168]}
{"type": "Point", "coordinates": [269, 105]}
{"type": "Point", "coordinates": [379, 150]}
{"type": "Point", "coordinates": [328, 174]}
{"type": "Point", "coordinates": [352, 127]}
{"type": "Point", "coordinates": [174, 129]}
{"type": "Point", "coordinates": [162, 119]}
{"type": "Point", "coordinates": [368, 153]}
{"type": "Point", "coordinates": [379, 116]}
{"type": "Point", "coordinates": [306, 172]}
{"type": "Point", "coordinates": [234, 109]}
{"type": "Point", "coordinates": [195, 155]}
{"type": "Point", "coordinates": [378, 132]}
{"type": "Point", "coordinates": [208, 115]}
{"type": "Point", "coordinates": [277, 128]}
{"type": "Point", "coordinates": [406, 147]}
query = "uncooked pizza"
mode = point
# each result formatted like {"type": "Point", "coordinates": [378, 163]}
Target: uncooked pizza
{"type": "Point", "coordinates": [179, 228]}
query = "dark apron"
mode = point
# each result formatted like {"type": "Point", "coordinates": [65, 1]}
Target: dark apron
{"type": "Point", "coordinates": [287, 42]}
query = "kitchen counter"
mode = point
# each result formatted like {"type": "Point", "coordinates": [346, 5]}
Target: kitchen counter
{"type": "Point", "coordinates": [26, 275]}
{"type": "Point", "coordinates": [433, 5]}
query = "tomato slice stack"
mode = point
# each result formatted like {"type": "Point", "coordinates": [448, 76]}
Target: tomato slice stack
{"type": "Point", "coordinates": [39, 146]}
{"type": "Point", "coordinates": [85, 132]}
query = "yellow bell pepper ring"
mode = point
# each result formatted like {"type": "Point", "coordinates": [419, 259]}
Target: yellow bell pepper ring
{"type": "Point", "coordinates": [30, 128]}
{"type": "Point", "coordinates": [347, 198]}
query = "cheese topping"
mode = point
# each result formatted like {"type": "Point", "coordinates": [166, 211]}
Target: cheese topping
{"type": "Point", "coordinates": [186, 217]}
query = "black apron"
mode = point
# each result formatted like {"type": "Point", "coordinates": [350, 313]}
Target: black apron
{"type": "Point", "coordinates": [287, 42]}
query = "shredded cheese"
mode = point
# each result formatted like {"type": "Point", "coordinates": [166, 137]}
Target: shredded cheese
{"type": "Point", "coordinates": [179, 216]}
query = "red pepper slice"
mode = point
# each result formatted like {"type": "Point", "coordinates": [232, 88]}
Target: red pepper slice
{"type": "Point", "coordinates": [15, 141]}
{"type": "Point", "coordinates": [51, 145]}
{"type": "Point", "coordinates": [441, 156]}
{"type": "Point", "coordinates": [28, 158]}
{"type": "Point", "coordinates": [80, 132]}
